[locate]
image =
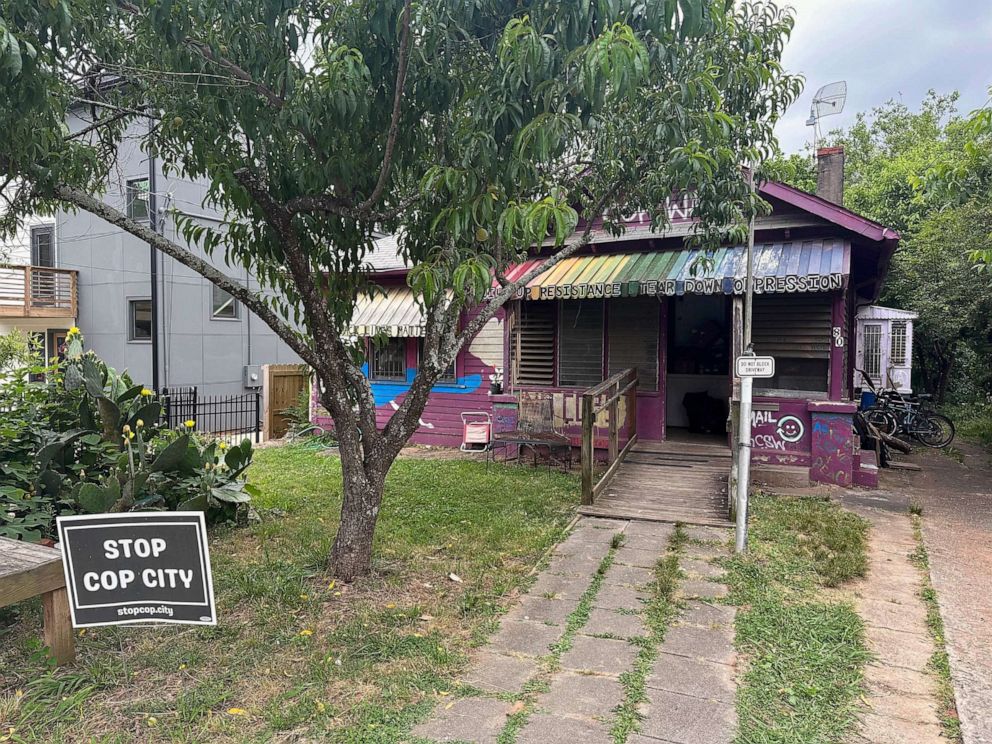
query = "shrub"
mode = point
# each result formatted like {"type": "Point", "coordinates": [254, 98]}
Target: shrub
{"type": "Point", "coordinates": [86, 439]}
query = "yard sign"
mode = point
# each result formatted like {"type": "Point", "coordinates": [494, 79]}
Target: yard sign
{"type": "Point", "coordinates": [137, 568]}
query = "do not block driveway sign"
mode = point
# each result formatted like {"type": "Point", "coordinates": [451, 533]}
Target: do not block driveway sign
{"type": "Point", "coordinates": [138, 567]}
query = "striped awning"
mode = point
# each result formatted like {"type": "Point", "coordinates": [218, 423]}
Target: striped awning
{"type": "Point", "coordinates": [393, 312]}
{"type": "Point", "coordinates": [807, 266]}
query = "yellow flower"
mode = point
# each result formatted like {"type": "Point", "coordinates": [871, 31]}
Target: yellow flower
{"type": "Point", "coordinates": [139, 423]}
{"type": "Point", "coordinates": [306, 632]}
{"type": "Point", "coordinates": [126, 428]}
{"type": "Point", "coordinates": [152, 720]}
{"type": "Point", "coordinates": [146, 392]}
{"type": "Point", "coordinates": [73, 331]}
{"type": "Point", "coordinates": [190, 424]}
{"type": "Point", "coordinates": [237, 712]}
{"type": "Point", "coordinates": [222, 445]}
{"type": "Point", "coordinates": [320, 707]}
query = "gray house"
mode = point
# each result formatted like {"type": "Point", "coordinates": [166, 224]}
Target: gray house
{"type": "Point", "coordinates": [203, 337]}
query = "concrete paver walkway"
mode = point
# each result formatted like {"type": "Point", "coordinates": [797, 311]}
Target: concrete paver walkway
{"type": "Point", "coordinates": [569, 646]}
{"type": "Point", "coordinates": [957, 529]}
{"type": "Point", "coordinates": [900, 698]}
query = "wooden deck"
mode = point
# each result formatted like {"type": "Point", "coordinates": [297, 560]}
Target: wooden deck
{"type": "Point", "coordinates": [673, 481]}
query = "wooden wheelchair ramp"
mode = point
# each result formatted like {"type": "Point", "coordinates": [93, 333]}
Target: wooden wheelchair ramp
{"type": "Point", "coordinates": [668, 482]}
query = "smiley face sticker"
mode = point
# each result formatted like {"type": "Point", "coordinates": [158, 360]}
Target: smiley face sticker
{"type": "Point", "coordinates": [790, 429]}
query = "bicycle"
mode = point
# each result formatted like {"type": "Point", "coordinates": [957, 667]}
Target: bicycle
{"type": "Point", "coordinates": [894, 413]}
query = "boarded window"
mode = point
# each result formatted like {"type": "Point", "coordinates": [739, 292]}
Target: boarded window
{"type": "Point", "coordinates": [633, 339]}
{"type": "Point", "coordinates": [796, 330]}
{"type": "Point", "coordinates": [533, 344]}
{"type": "Point", "coordinates": [897, 356]}
{"type": "Point", "coordinates": [580, 343]}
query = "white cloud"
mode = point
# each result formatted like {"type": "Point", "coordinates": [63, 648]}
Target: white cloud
{"type": "Point", "coordinates": [886, 49]}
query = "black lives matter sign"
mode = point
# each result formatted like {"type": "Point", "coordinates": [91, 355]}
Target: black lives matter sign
{"type": "Point", "coordinates": [137, 568]}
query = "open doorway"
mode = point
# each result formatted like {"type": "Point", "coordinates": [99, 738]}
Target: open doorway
{"type": "Point", "coordinates": [698, 368]}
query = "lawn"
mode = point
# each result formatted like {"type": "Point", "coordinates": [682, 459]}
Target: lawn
{"type": "Point", "coordinates": [801, 639]}
{"type": "Point", "coordinates": [296, 655]}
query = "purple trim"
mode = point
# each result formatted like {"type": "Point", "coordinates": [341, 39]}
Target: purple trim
{"type": "Point", "coordinates": [829, 211]}
{"type": "Point", "coordinates": [837, 353]}
{"type": "Point", "coordinates": [831, 406]}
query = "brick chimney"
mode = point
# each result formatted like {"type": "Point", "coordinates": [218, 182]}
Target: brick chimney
{"type": "Point", "coordinates": [830, 174]}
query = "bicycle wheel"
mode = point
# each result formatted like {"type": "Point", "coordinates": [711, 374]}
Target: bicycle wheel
{"type": "Point", "coordinates": [883, 420]}
{"type": "Point", "coordinates": [940, 430]}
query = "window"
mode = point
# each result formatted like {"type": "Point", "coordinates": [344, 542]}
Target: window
{"type": "Point", "coordinates": [43, 245]}
{"type": "Point", "coordinates": [634, 326]}
{"type": "Point", "coordinates": [897, 352]}
{"type": "Point", "coordinates": [137, 198]}
{"type": "Point", "coordinates": [532, 344]}
{"type": "Point", "coordinates": [387, 359]}
{"type": "Point", "coordinates": [223, 305]}
{"type": "Point", "coordinates": [796, 330]}
{"type": "Point", "coordinates": [873, 351]}
{"type": "Point", "coordinates": [139, 320]}
{"type": "Point", "coordinates": [580, 343]}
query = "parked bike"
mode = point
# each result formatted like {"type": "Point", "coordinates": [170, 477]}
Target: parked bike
{"type": "Point", "coordinates": [895, 414]}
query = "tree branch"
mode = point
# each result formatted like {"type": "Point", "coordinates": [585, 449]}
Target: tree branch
{"type": "Point", "coordinates": [255, 303]}
{"type": "Point", "coordinates": [394, 124]}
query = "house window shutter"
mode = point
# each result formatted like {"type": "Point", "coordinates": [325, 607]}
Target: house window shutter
{"type": "Point", "coordinates": [580, 343]}
{"type": "Point", "coordinates": [633, 340]}
{"type": "Point", "coordinates": [796, 330]}
{"type": "Point", "coordinates": [533, 344]}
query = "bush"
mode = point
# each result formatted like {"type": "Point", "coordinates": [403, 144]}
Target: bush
{"type": "Point", "coordinates": [86, 439]}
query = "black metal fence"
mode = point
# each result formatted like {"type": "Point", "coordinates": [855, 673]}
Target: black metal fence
{"type": "Point", "coordinates": [221, 415]}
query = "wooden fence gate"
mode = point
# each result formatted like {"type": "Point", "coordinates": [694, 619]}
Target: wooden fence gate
{"type": "Point", "coordinates": [281, 387]}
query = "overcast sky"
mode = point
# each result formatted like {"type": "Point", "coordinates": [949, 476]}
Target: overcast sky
{"type": "Point", "coordinates": [886, 49]}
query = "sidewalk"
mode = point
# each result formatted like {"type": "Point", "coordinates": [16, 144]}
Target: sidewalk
{"type": "Point", "coordinates": [581, 650]}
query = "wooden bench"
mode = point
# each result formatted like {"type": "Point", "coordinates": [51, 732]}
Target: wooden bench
{"type": "Point", "coordinates": [27, 570]}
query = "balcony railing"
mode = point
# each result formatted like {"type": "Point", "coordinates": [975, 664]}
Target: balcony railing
{"type": "Point", "coordinates": [37, 292]}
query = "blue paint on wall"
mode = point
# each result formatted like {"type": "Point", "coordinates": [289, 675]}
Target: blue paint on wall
{"type": "Point", "coordinates": [386, 390]}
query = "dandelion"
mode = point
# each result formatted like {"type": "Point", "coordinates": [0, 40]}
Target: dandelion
{"type": "Point", "coordinates": [320, 707]}
{"type": "Point", "coordinates": [190, 423]}
{"type": "Point", "coordinates": [146, 392]}
{"type": "Point", "coordinates": [152, 720]}
{"type": "Point", "coordinates": [306, 632]}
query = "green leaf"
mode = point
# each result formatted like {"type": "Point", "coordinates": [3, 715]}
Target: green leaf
{"type": "Point", "coordinates": [197, 503]}
{"type": "Point", "coordinates": [96, 499]}
{"type": "Point", "coordinates": [171, 456]}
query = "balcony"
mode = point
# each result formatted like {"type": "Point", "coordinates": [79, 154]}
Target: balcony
{"type": "Point", "coordinates": [37, 292]}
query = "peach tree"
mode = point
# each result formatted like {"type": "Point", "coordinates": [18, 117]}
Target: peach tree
{"type": "Point", "coordinates": [472, 129]}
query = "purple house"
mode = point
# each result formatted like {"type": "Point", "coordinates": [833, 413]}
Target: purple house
{"type": "Point", "coordinates": [642, 300]}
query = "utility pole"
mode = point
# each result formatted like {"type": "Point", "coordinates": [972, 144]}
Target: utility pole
{"type": "Point", "coordinates": [744, 433]}
{"type": "Point", "coordinates": [153, 255]}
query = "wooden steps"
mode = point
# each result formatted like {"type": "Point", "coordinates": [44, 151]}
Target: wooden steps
{"type": "Point", "coordinates": [669, 482]}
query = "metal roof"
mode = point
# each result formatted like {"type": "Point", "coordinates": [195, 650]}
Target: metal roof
{"type": "Point", "coordinates": [806, 266]}
{"type": "Point", "coordinates": [394, 312]}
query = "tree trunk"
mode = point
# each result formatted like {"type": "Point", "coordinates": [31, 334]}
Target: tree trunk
{"type": "Point", "coordinates": [351, 555]}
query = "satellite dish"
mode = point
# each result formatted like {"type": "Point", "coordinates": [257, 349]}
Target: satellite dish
{"type": "Point", "coordinates": [828, 100]}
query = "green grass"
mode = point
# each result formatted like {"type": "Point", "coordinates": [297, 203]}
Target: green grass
{"type": "Point", "coordinates": [803, 647]}
{"type": "Point", "coordinates": [940, 665]}
{"type": "Point", "coordinates": [974, 422]}
{"type": "Point", "coordinates": [661, 608]}
{"type": "Point", "coordinates": [295, 654]}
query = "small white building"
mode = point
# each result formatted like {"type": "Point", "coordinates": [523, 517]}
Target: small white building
{"type": "Point", "coordinates": [885, 346]}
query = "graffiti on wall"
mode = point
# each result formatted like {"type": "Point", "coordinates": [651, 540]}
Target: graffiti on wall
{"type": "Point", "coordinates": [774, 432]}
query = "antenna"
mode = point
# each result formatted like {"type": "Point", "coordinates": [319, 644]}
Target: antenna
{"type": "Point", "coordinates": [827, 101]}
